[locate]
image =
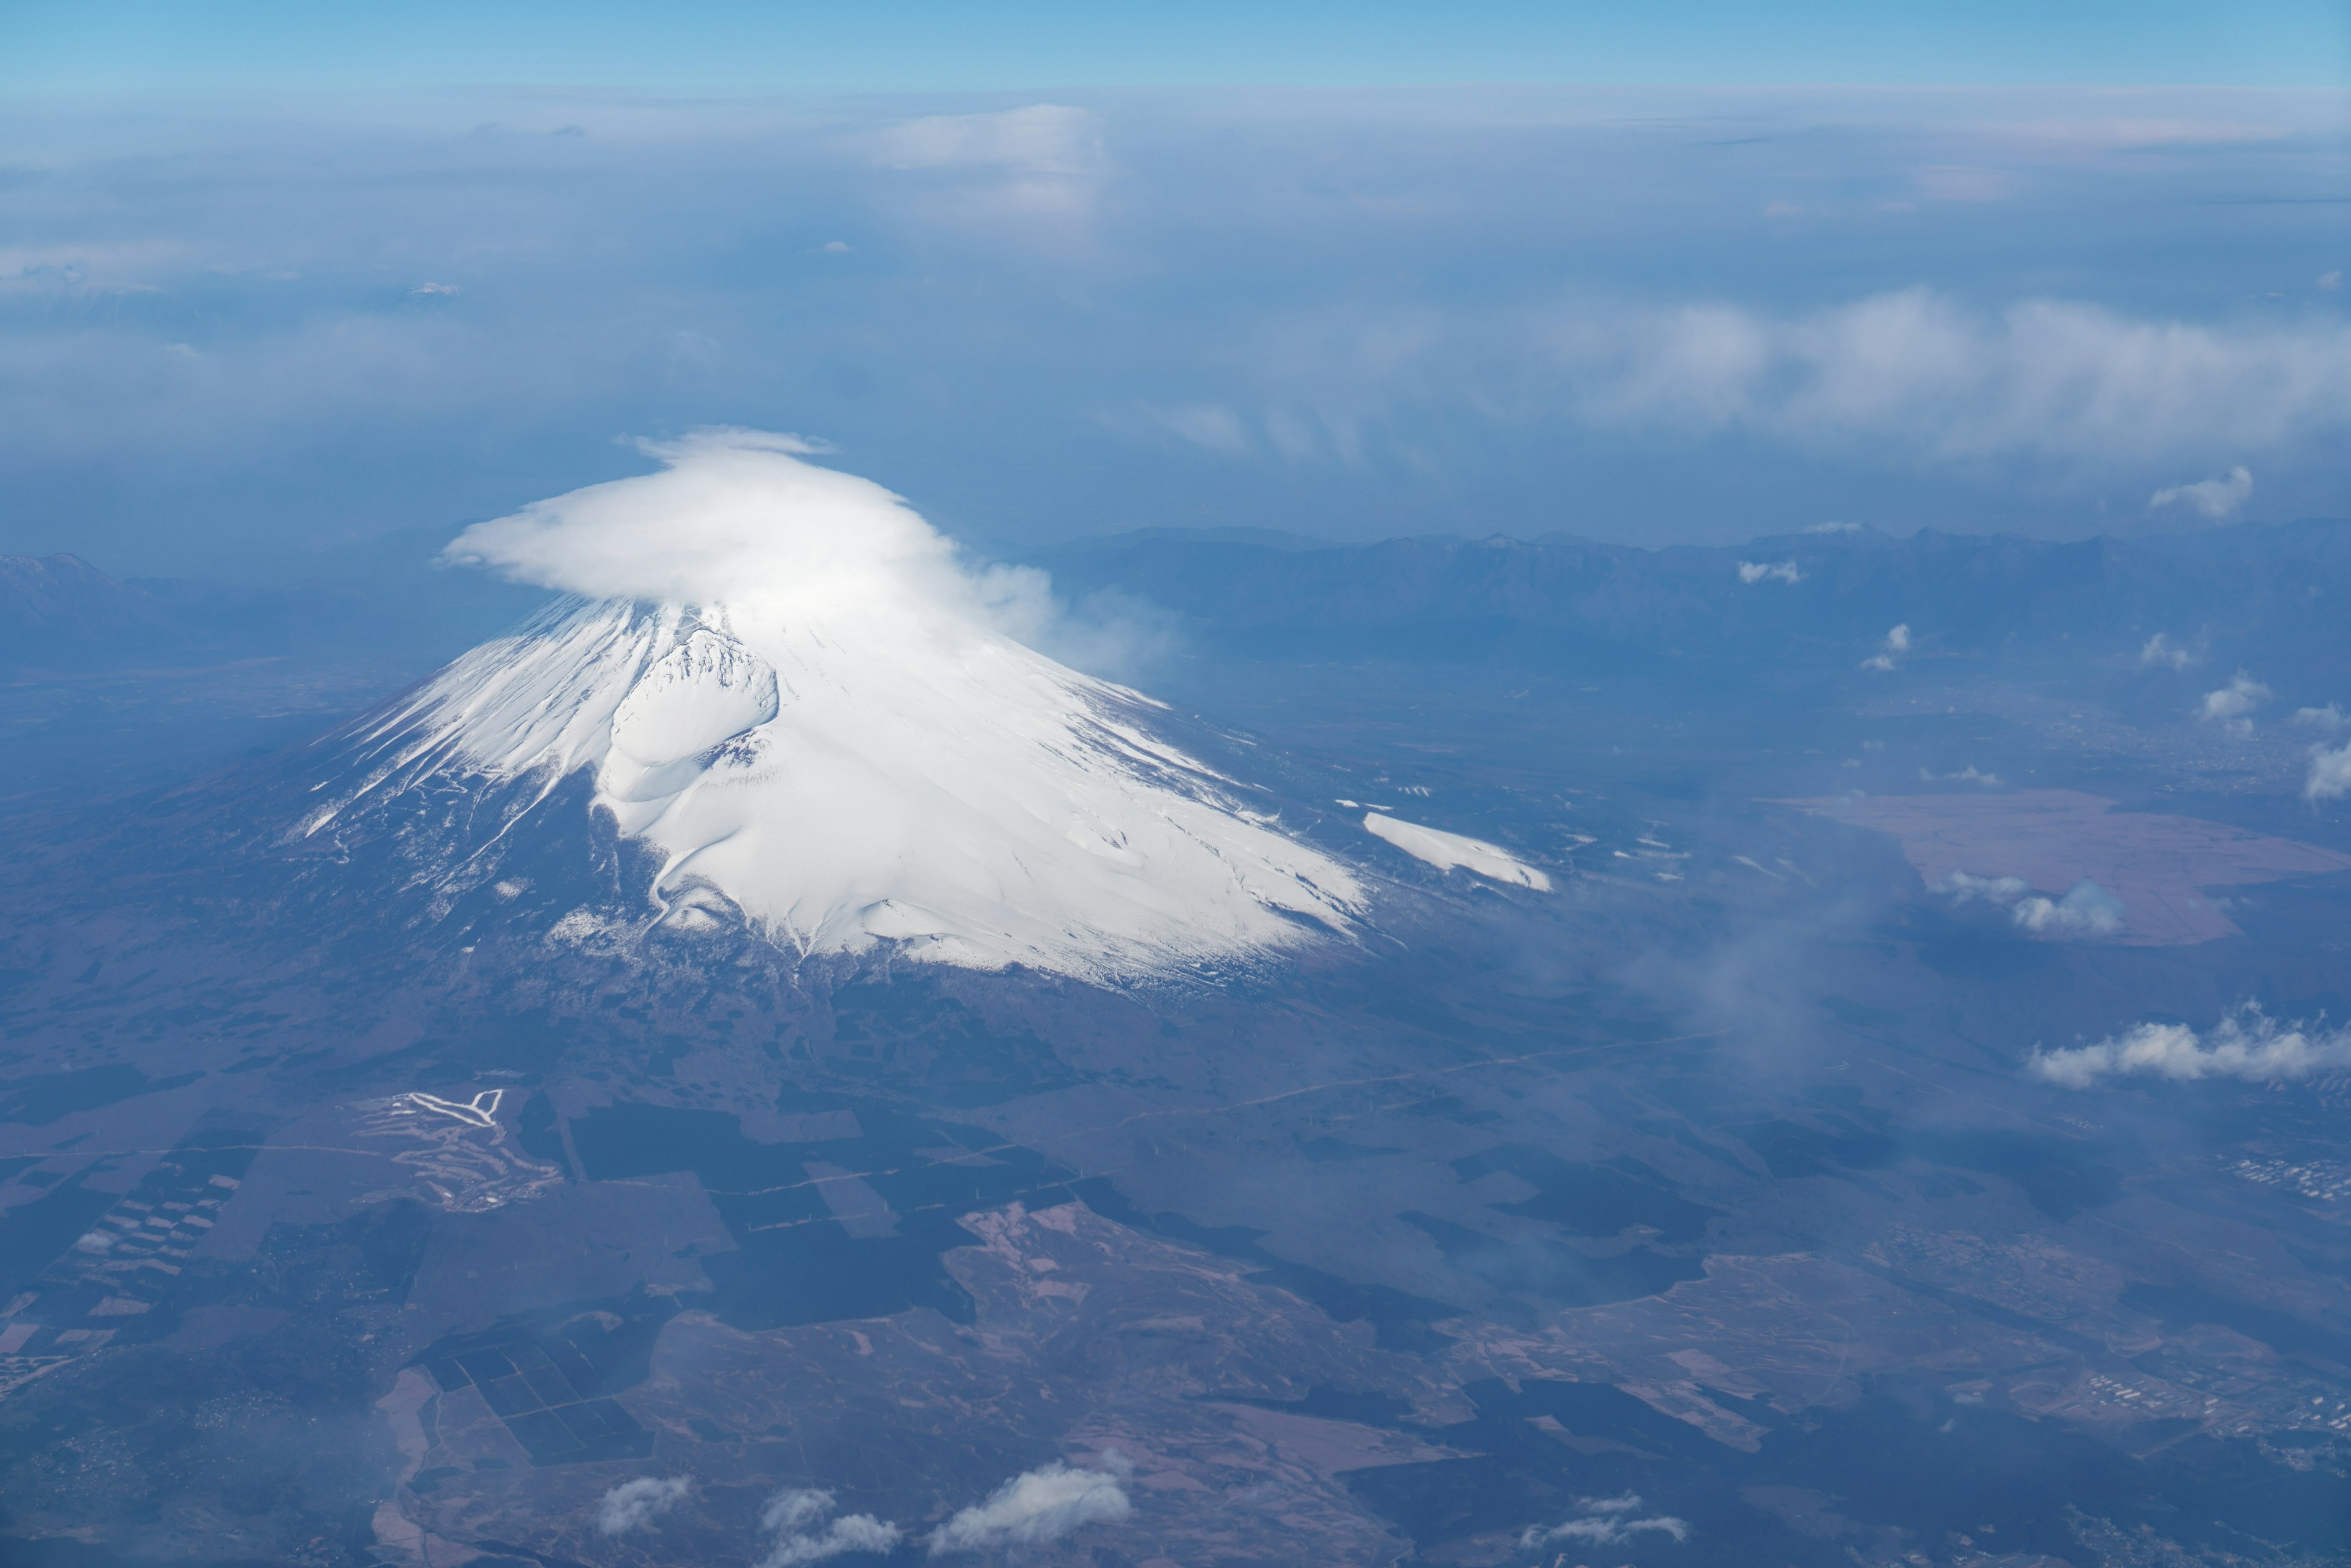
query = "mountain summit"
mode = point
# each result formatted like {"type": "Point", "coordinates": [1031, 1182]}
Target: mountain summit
{"type": "Point", "coordinates": [783, 680]}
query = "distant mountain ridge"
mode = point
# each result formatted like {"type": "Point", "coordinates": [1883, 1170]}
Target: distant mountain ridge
{"type": "Point", "coordinates": [61, 601]}
{"type": "Point", "coordinates": [2252, 591]}
{"type": "Point", "coordinates": [59, 613]}
{"type": "Point", "coordinates": [2257, 591]}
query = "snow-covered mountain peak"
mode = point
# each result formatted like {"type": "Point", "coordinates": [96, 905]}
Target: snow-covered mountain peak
{"type": "Point", "coordinates": [786, 684]}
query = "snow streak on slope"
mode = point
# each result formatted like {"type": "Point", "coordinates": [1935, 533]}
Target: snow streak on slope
{"type": "Point", "coordinates": [1446, 850]}
{"type": "Point", "coordinates": [788, 686]}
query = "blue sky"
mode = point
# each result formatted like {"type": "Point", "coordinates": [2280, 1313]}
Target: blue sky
{"type": "Point", "coordinates": [265, 288]}
{"type": "Point", "coordinates": [942, 46]}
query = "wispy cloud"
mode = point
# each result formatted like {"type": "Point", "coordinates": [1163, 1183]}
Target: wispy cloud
{"type": "Point", "coordinates": [1027, 175]}
{"type": "Point", "coordinates": [2043, 378]}
{"type": "Point", "coordinates": [1896, 643]}
{"type": "Point", "coordinates": [1036, 1507]}
{"type": "Point", "coordinates": [1754, 572]}
{"type": "Point", "coordinates": [2232, 707]}
{"type": "Point", "coordinates": [1604, 1521]}
{"type": "Point", "coordinates": [2329, 718]}
{"type": "Point", "coordinates": [2330, 774]}
{"type": "Point", "coordinates": [802, 1522]}
{"type": "Point", "coordinates": [1210, 426]}
{"type": "Point", "coordinates": [633, 1505]}
{"type": "Point", "coordinates": [2215, 498]}
{"type": "Point", "coordinates": [2246, 1044]}
{"type": "Point", "coordinates": [1042, 139]}
{"type": "Point", "coordinates": [2160, 649]}
{"type": "Point", "coordinates": [2087, 910]}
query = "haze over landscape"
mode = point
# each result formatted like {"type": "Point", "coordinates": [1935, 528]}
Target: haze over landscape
{"type": "Point", "coordinates": [1521, 788]}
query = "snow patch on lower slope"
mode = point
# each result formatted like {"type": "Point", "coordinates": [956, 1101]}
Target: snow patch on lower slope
{"type": "Point", "coordinates": [1445, 851]}
{"type": "Point", "coordinates": [853, 769]}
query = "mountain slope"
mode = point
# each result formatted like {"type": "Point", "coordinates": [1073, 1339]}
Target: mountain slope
{"type": "Point", "coordinates": [836, 747]}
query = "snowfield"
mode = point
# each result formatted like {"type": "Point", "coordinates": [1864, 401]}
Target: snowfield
{"type": "Point", "coordinates": [813, 712]}
{"type": "Point", "coordinates": [1446, 850]}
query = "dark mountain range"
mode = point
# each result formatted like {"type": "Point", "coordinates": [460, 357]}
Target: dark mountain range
{"type": "Point", "coordinates": [2253, 590]}
{"type": "Point", "coordinates": [56, 609]}
{"type": "Point", "coordinates": [390, 605]}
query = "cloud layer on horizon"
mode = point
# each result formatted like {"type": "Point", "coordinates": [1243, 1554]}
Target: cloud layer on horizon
{"type": "Point", "coordinates": [1365, 314]}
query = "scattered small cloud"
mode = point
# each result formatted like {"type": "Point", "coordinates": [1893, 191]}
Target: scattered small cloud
{"type": "Point", "coordinates": [2329, 718]}
{"type": "Point", "coordinates": [2161, 650]}
{"type": "Point", "coordinates": [437, 288]}
{"type": "Point", "coordinates": [2003, 891]}
{"type": "Point", "coordinates": [2214, 498]}
{"type": "Point", "coordinates": [2330, 774]}
{"type": "Point", "coordinates": [2246, 1044]}
{"type": "Point", "coordinates": [1896, 643]}
{"type": "Point", "coordinates": [833, 247]}
{"type": "Point", "coordinates": [2330, 280]}
{"type": "Point", "coordinates": [633, 1505]}
{"type": "Point", "coordinates": [1036, 1507]}
{"type": "Point", "coordinates": [1781, 210]}
{"type": "Point", "coordinates": [1971, 773]}
{"type": "Point", "coordinates": [1604, 1521]}
{"type": "Point", "coordinates": [1210, 426]}
{"type": "Point", "coordinates": [1833, 528]}
{"type": "Point", "coordinates": [800, 1521]}
{"type": "Point", "coordinates": [2231, 708]}
{"type": "Point", "coordinates": [1777, 571]}
{"type": "Point", "coordinates": [2088, 910]}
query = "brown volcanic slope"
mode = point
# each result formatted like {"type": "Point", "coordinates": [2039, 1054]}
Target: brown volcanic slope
{"type": "Point", "coordinates": [2158, 866]}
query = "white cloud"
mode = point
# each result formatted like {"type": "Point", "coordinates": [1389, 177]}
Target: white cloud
{"type": "Point", "coordinates": [1044, 138]}
{"type": "Point", "coordinates": [2246, 1044]}
{"type": "Point", "coordinates": [2213, 498]}
{"type": "Point", "coordinates": [1971, 773]}
{"type": "Point", "coordinates": [1777, 571]}
{"type": "Point", "coordinates": [2330, 774]}
{"type": "Point", "coordinates": [2232, 706]}
{"type": "Point", "coordinates": [2161, 650]}
{"type": "Point", "coordinates": [2330, 280]}
{"type": "Point", "coordinates": [1833, 528]}
{"type": "Point", "coordinates": [2003, 891]}
{"type": "Point", "coordinates": [1036, 1507]}
{"type": "Point", "coordinates": [2329, 718]}
{"type": "Point", "coordinates": [436, 288]}
{"type": "Point", "coordinates": [1604, 1521]}
{"type": "Point", "coordinates": [796, 1518]}
{"type": "Point", "coordinates": [1896, 643]}
{"type": "Point", "coordinates": [1029, 175]}
{"type": "Point", "coordinates": [1918, 374]}
{"type": "Point", "coordinates": [735, 506]}
{"type": "Point", "coordinates": [2088, 910]}
{"type": "Point", "coordinates": [633, 1505]}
